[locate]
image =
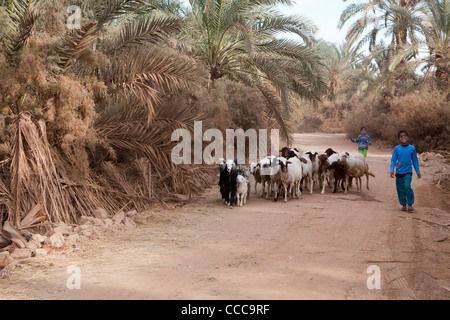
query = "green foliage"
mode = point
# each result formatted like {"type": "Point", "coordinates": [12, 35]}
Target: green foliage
{"type": "Point", "coordinates": [237, 40]}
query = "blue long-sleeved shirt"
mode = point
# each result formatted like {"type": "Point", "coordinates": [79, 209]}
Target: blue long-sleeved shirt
{"type": "Point", "coordinates": [403, 159]}
{"type": "Point", "coordinates": [363, 141]}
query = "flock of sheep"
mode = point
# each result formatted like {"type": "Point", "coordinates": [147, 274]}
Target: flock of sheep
{"type": "Point", "coordinates": [289, 172]}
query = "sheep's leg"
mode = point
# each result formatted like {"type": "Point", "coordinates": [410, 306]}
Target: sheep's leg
{"type": "Point", "coordinates": [312, 185]}
{"type": "Point", "coordinates": [324, 184]}
{"type": "Point", "coordinates": [285, 192]}
{"type": "Point", "coordinates": [233, 194]}
{"type": "Point", "coordinates": [367, 180]}
{"type": "Point", "coordinates": [245, 197]}
{"type": "Point", "coordinates": [276, 191]}
{"type": "Point", "coordinates": [346, 185]}
{"type": "Point", "coordinates": [263, 188]}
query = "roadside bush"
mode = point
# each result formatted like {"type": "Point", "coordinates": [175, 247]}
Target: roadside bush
{"type": "Point", "coordinates": [424, 113]}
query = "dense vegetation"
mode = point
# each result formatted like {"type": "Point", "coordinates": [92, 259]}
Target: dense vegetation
{"type": "Point", "coordinates": [401, 83]}
{"type": "Point", "coordinates": [87, 113]}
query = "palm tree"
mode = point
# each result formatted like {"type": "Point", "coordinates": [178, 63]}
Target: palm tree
{"type": "Point", "coordinates": [397, 18]}
{"type": "Point", "coordinates": [342, 65]}
{"type": "Point", "coordinates": [435, 43]}
{"type": "Point", "coordinates": [140, 68]}
{"type": "Point", "coordinates": [239, 40]}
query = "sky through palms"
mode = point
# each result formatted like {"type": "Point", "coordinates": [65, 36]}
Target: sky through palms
{"type": "Point", "coordinates": [325, 14]}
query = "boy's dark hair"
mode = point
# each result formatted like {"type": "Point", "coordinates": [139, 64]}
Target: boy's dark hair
{"type": "Point", "coordinates": [363, 128]}
{"type": "Point", "coordinates": [402, 131]}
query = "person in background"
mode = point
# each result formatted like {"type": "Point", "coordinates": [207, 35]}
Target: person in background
{"type": "Point", "coordinates": [363, 141]}
{"type": "Point", "coordinates": [404, 157]}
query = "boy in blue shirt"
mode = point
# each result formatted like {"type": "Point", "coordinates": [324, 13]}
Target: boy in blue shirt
{"type": "Point", "coordinates": [403, 159]}
{"type": "Point", "coordinates": [363, 141]}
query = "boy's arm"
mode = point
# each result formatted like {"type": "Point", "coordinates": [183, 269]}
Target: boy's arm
{"type": "Point", "coordinates": [356, 140]}
{"type": "Point", "coordinates": [393, 162]}
{"type": "Point", "coordinates": [368, 140]}
{"type": "Point", "coordinates": [415, 161]}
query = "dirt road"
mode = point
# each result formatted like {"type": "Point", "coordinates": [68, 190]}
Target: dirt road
{"type": "Point", "coordinates": [317, 247]}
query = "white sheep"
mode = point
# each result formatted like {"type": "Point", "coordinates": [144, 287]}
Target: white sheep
{"type": "Point", "coordinates": [275, 177]}
{"type": "Point", "coordinates": [266, 171]}
{"type": "Point", "coordinates": [314, 157]}
{"type": "Point", "coordinates": [241, 190]}
{"type": "Point", "coordinates": [355, 166]}
{"type": "Point", "coordinates": [291, 175]}
{"type": "Point", "coordinates": [307, 171]}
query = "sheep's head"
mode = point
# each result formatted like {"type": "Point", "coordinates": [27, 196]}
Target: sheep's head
{"type": "Point", "coordinates": [284, 152]}
{"type": "Point", "coordinates": [240, 180]}
{"type": "Point", "coordinates": [343, 156]}
{"type": "Point", "coordinates": [283, 162]}
{"type": "Point", "coordinates": [230, 165]}
{"type": "Point", "coordinates": [330, 151]}
{"type": "Point", "coordinates": [312, 155]}
{"type": "Point", "coordinates": [253, 168]}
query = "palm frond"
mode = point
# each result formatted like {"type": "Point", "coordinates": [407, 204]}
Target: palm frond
{"type": "Point", "coordinates": [152, 30]}
{"type": "Point", "coordinates": [109, 10]}
{"type": "Point", "coordinates": [277, 110]}
{"type": "Point", "coordinates": [75, 43]}
{"type": "Point", "coordinates": [24, 14]}
{"type": "Point", "coordinates": [145, 77]}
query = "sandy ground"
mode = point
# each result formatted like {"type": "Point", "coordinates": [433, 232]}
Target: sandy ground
{"type": "Point", "coordinates": [316, 247]}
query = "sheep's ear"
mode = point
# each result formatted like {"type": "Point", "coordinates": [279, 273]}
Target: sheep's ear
{"type": "Point", "coordinates": [288, 162]}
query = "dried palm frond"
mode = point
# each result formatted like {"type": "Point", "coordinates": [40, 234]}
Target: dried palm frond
{"type": "Point", "coordinates": [34, 177]}
{"type": "Point", "coordinates": [129, 133]}
{"type": "Point", "coordinates": [24, 14]}
{"type": "Point", "coordinates": [42, 186]}
{"type": "Point", "coordinates": [109, 10]}
{"type": "Point", "coordinates": [75, 43]}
